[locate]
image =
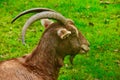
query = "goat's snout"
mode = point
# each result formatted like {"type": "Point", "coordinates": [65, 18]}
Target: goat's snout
{"type": "Point", "coordinates": [84, 48]}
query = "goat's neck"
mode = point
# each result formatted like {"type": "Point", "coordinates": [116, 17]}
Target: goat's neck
{"type": "Point", "coordinates": [44, 57]}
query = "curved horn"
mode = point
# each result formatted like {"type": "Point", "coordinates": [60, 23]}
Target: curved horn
{"type": "Point", "coordinates": [42, 15]}
{"type": "Point", "coordinates": [31, 11]}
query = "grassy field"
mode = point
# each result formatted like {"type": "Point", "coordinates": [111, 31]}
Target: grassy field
{"type": "Point", "coordinates": [99, 22]}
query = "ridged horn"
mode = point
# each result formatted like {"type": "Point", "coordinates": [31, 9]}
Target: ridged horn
{"type": "Point", "coordinates": [31, 11]}
{"type": "Point", "coordinates": [42, 15]}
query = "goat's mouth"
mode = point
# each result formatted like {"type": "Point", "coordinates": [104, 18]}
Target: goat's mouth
{"type": "Point", "coordinates": [84, 49]}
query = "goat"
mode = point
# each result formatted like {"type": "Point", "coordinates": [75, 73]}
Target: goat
{"type": "Point", "coordinates": [59, 39]}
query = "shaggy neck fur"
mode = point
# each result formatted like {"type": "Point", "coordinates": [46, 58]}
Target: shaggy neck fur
{"type": "Point", "coordinates": [45, 59]}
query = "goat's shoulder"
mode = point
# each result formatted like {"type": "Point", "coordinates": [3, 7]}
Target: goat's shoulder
{"type": "Point", "coordinates": [13, 63]}
{"type": "Point", "coordinates": [14, 69]}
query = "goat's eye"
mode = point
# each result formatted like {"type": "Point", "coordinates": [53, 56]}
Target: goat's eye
{"type": "Point", "coordinates": [74, 33]}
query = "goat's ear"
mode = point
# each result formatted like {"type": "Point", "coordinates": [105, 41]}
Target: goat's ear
{"type": "Point", "coordinates": [46, 22]}
{"type": "Point", "coordinates": [63, 33]}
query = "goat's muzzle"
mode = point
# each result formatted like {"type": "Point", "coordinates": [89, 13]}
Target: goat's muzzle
{"type": "Point", "coordinates": [84, 48]}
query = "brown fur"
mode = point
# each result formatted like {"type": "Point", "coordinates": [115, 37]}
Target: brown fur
{"type": "Point", "coordinates": [46, 59]}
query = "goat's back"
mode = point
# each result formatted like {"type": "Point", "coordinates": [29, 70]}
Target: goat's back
{"type": "Point", "coordinates": [16, 70]}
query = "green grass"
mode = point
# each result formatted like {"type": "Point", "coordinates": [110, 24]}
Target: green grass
{"type": "Point", "coordinates": [100, 23]}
